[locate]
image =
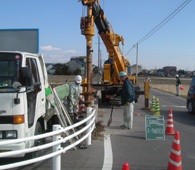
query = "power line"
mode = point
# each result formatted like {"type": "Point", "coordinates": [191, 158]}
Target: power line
{"type": "Point", "coordinates": [168, 18]}
{"type": "Point", "coordinates": [161, 24]}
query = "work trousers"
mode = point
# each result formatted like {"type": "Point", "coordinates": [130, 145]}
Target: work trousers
{"type": "Point", "coordinates": [178, 90]}
{"type": "Point", "coordinates": [128, 115]}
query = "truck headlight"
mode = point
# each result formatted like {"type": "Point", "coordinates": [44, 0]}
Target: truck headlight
{"type": "Point", "coordinates": [11, 134]}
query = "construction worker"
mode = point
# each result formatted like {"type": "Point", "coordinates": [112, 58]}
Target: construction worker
{"type": "Point", "coordinates": [74, 97]}
{"type": "Point", "coordinates": [127, 99]}
{"type": "Point", "coordinates": [178, 83]}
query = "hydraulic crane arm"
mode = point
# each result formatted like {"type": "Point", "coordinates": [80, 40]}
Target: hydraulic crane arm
{"type": "Point", "coordinates": [105, 30]}
{"type": "Point", "coordinates": [111, 82]}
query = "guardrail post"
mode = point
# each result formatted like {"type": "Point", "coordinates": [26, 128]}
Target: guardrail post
{"type": "Point", "coordinates": [56, 159]}
{"type": "Point", "coordinates": [88, 140]}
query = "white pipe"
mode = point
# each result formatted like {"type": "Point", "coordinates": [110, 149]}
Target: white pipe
{"type": "Point", "coordinates": [27, 162]}
{"type": "Point", "coordinates": [47, 134]}
{"type": "Point", "coordinates": [89, 128]}
{"type": "Point", "coordinates": [89, 112]}
{"type": "Point", "coordinates": [56, 161]}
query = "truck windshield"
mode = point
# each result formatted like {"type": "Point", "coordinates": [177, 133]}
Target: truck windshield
{"type": "Point", "coordinates": [10, 64]}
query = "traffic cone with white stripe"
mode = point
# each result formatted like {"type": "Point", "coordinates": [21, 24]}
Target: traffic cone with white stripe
{"type": "Point", "coordinates": [175, 162]}
{"type": "Point", "coordinates": [170, 126]}
{"type": "Point", "coordinates": [125, 166]}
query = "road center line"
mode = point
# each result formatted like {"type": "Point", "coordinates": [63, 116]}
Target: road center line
{"type": "Point", "coordinates": [108, 157]}
{"type": "Point", "coordinates": [173, 106]}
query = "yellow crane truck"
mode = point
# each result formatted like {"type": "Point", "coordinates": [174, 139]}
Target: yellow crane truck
{"type": "Point", "coordinates": [110, 79]}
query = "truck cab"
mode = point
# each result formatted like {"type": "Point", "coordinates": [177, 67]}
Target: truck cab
{"type": "Point", "coordinates": [23, 79]}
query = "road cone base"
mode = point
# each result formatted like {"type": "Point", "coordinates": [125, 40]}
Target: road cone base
{"type": "Point", "coordinates": [169, 133]}
{"type": "Point", "coordinates": [173, 167]}
{"type": "Point", "coordinates": [157, 114]}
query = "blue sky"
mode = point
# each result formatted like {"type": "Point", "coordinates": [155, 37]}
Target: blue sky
{"type": "Point", "coordinates": [60, 37]}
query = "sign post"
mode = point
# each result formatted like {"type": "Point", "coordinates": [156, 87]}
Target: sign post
{"type": "Point", "coordinates": [154, 127]}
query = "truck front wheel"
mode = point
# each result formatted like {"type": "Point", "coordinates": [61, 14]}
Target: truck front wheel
{"type": "Point", "coordinates": [38, 131]}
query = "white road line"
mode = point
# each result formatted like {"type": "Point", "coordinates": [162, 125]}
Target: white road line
{"type": "Point", "coordinates": [108, 157]}
{"type": "Point", "coordinates": [173, 106]}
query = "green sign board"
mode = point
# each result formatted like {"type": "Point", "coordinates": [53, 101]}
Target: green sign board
{"type": "Point", "coordinates": [154, 127]}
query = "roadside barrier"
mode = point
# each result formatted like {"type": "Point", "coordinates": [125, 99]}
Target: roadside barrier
{"type": "Point", "coordinates": [157, 108]}
{"type": "Point", "coordinates": [153, 104]}
{"type": "Point", "coordinates": [88, 126]}
{"type": "Point", "coordinates": [175, 162]}
{"type": "Point", "coordinates": [170, 127]}
{"type": "Point", "coordinates": [125, 166]}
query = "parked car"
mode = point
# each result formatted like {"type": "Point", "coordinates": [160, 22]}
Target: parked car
{"type": "Point", "coordinates": [191, 97]}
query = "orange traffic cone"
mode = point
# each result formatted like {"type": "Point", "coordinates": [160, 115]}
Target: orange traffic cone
{"type": "Point", "coordinates": [125, 166]}
{"type": "Point", "coordinates": [175, 157]}
{"type": "Point", "coordinates": [170, 126]}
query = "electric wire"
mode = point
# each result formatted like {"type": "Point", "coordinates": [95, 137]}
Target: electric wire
{"type": "Point", "coordinates": [160, 25]}
{"type": "Point", "coordinates": [176, 11]}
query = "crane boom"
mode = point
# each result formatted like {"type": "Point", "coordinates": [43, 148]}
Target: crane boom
{"type": "Point", "coordinates": [109, 38]}
{"type": "Point", "coordinates": [96, 15]}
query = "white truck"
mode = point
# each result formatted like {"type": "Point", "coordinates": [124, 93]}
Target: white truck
{"type": "Point", "coordinates": [24, 110]}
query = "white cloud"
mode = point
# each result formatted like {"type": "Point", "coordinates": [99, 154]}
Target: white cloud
{"type": "Point", "coordinates": [50, 48]}
{"type": "Point", "coordinates": [70, 51]}
{"type": "Point", "coordinates": [55, 55]}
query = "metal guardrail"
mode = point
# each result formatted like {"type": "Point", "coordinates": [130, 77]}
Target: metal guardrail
{"type": "Point", "coordinates": [56, 144]}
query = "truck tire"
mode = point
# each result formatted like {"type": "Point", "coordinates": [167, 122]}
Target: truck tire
{"type": "Point", "coordinates": [190, 108]}
{"type": "Point", "coordinates": [103, 97]}
{"type": "Point", "coordinates": [38, 131]}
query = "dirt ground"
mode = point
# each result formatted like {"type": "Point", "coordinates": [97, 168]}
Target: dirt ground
{"type": "Point", "coordinates": [167, 84]}
{"type": "Point", "coordinates": [160, 83]}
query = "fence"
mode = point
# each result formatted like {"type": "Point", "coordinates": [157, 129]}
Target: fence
{"type": "Point", "coordinates": [88, 125]}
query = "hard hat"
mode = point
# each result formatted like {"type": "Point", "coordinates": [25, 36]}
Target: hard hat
{"type": "Point", "coordinates": [78, 79]}
{"type": "Point", "coordinates": [176, 75]}
{"type": "Point", "coordinates": [122, 73]}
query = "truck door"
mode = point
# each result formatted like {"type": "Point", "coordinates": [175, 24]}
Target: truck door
{"type": "Point", "coordinates": [35, 96]}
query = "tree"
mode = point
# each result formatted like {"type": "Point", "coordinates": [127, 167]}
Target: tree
{"type": "Point", "coordinates": [77, 72]}
{"type": "Point", "coordinates": [181, 72]}
{"type": "Point", "coordinates": [63, 70]}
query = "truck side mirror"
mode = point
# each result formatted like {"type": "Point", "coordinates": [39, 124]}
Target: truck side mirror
{"type": "Point", "coordinates": [17, 86]}
{"type": "Point", "coordinates": [26, 76]}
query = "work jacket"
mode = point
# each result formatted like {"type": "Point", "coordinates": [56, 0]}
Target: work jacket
{"type": "Point", "coordinates": [127, 92]}
{"type": "Point", "coordinates": [178, 82]}
{"type": "Point", "coordinates": [73, 99]}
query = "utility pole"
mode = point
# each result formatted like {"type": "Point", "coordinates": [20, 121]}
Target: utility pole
{"type": "Point", "coordinates": [137, 63]}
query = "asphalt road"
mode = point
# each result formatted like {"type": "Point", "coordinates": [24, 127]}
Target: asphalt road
{"type": "Point", "coordinates": [120, 146]}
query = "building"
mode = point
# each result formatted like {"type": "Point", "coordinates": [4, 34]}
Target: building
{"type": "Point", "coordinates": [82, 59]}
{"type": "Point", "coordinates": [133, 69]}
{"type": "Point", "coordinates": [170, 70]}
{"type": "Point", "coordinates": [160, 73]}
{"type": "Point", "coordinates": [75, 64]}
